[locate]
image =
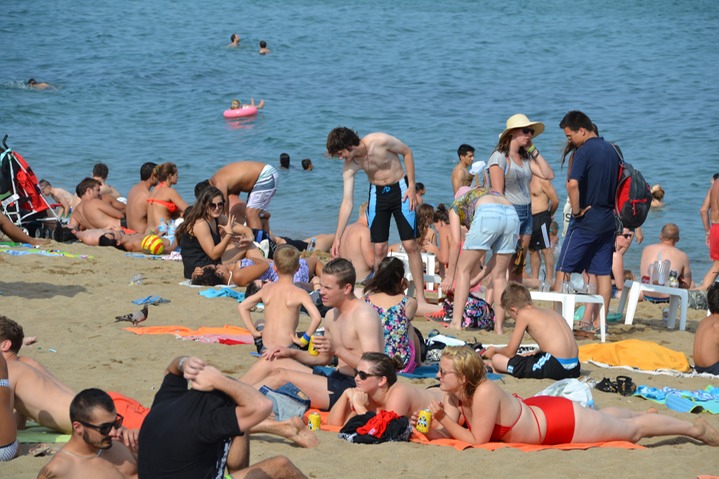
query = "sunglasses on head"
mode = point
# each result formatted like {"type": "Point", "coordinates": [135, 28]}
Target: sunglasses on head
{"type": "Point", "coordinates": [363, 375]}
{"type": "Point", "coordinates": [217, 206]}
{"type": "Point", "coordinates": [527, 130]}
{"type": "Point", "coordinates": [105, 428]}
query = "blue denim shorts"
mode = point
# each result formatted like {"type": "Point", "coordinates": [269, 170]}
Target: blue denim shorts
{"type": "Point", "coordinates": [525, 218]}
{"type": "Point", "coordinates": [494, 227]}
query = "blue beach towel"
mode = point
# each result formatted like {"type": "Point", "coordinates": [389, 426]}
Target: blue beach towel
{"type": "Point", "coordinates": [430, 371]}
{"type": "Point", "coordinates": [682, 400]}
{"type": "Point", "coordinates": [222, 292]}
{"type": "Point", "coordinates": [150, 300]}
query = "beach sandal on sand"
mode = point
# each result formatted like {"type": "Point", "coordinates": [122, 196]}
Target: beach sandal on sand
{"type": "Point", "coordinates": [606, 385]}
{"type": "Point", "coordinates": [439, 317]}
{"type": "Point", "coordinates": [625, 386]}
{"type": "Point", "coordinates": [43, 449]}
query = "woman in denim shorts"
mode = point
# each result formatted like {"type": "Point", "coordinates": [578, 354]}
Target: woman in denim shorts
{"type": "Point", "coordinates": [493, 225]}
{"type": "Point", "coordinates": [511, 166]}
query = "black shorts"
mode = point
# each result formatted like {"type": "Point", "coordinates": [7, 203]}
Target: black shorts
{"type": "Point", "coordinates": [385, 202]}
{"type": "Point", "coordinates": [337, 383]}
{"type": "Point", "coordinates": [541, 366]}
{"type": "Point", "coordinates": [540, 231]}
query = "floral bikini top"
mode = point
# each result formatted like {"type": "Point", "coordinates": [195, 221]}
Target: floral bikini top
{"type": "Point", "coordinates": [396, 329]}
{"type": "Point", "coordinates": [466, 204]}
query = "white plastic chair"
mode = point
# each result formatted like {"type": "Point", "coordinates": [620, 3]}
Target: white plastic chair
{"type": "Point", "coordinates": [429, 277]}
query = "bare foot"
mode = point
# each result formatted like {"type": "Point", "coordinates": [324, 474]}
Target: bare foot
{"type": "Point", "coordinates": [28, 340]}
{"type": "Point", "coordinates": [652, 410]}
{"type": "Point", "coordinates": [707, 434]}
{"type": "Point", "coordinates": [300, 434]}
{"type": "Point", "coordinates": [423, 307]}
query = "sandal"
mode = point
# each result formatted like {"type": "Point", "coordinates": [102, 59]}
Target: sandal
{"type": "Point", "coordinates": [625, 386]}
{"type": "Point", "coordinates": [606, 385]}
{"type": "Point", "coordinates": [42, 450]}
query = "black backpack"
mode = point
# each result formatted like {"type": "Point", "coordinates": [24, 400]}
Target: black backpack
{"type": "Point", "coordinates": [633, 197]}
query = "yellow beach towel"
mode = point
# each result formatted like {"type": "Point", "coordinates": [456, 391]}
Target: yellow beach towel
{"type": "Point", "coordinates": [636, 353]}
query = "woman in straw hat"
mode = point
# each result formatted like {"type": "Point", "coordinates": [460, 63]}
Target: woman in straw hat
{"type": "Point", "coordinates": [478, 411]}
{"type": "Point", "coordinates": [511, 166]}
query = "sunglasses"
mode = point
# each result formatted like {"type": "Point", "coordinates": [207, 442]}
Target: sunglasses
{"type": "Point", "coordinates": [626, 235]}
{"type": "Point", "coordinates": [527, 131]}
{"type": "Point", "coordinates": [363, 375]}
{"type": "Point", "coordinates": [105, 429]}
{"type": "Point", "coordinates": [217, 206]}
{"type": "Point", "coordinates": [442, 372]}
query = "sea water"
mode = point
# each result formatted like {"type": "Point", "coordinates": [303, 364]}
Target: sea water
{"type": "Point", "coordinates": [144, 81]}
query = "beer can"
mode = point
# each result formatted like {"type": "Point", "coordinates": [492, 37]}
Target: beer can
{"type": "Point", "coordinates": [311, 348]}
{"type": "Point", "coordinates": [314, 421]}
{"type": "Point", "coordinates": [424, 420]}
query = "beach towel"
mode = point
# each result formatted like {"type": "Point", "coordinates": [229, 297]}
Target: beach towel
{"type": "Point", "coordinates": [683, 400]}
{"type": "Point", "coordinates": [636, 353]}
{"type": "Point", "coordinates": [490, 446]}
{"type": "Point", "coordinates": [53, 252]}
{"type": "Point", "coordinates": [225, 292]}
{"type": "Point", "coordinates": [226, 334]}
{"type": "Point", "coordinates": [430, 371]}
{"type": "Point", "coordinates": [150, 300]}
{"type": "Point", "coordinates": [131, 410]}
{"type": "Point", "coordinates": [34, 432]}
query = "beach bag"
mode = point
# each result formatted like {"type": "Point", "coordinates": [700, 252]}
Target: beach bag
{"type": "Point", "coordinates": [633, 197]}
{"type": "Point", "coordinates": [478, 314]}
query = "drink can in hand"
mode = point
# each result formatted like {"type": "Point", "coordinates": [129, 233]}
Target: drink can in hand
{"type": "Point", "coordinates": [424, 420]}
{"type": "Point", "coordinates": [311, 348]}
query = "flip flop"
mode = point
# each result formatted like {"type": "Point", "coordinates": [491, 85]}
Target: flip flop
{"type": "Point", "coordinates": [606, 385]}
{"type": "Point", "coordinates": [625, 386]}
{"type": "Point", "coordinates": [43, 449]}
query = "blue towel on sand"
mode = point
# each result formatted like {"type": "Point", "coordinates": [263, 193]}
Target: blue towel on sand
{"type": "Point", "coordinates": [151, 300]}
{"type": "Point", "coordinates": [683, 400]}
{"type": "Point", "coordinates": [430, 371]}
{"type": "Point", "coordinates": [222, 292]}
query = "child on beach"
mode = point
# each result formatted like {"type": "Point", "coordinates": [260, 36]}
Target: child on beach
{"type": "Point", "coordinates": [63, 198]}
{"type": "Point", "coordinates": [237, 104]}
{"type": "Point", "coordinates": [558, 353]}
{"type": "Point", "coordinates": [282, 300]}
{"type": "Point", "coordinates": [385, 292]}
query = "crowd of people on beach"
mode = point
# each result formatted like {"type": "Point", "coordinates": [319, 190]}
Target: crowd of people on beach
{"type": "Point", "coordinates": [354, 287]}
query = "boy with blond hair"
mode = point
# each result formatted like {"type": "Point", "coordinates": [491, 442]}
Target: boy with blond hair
{"type": "Point", "coordinates": [282, 301]}
{"type": "Point", "coordinates": [558, 353]}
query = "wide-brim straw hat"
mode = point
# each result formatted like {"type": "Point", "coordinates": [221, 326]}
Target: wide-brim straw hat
{"type": "Point", "coordinates": [520, 120]}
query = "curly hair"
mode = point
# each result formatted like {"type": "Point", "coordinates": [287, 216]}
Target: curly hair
{"type": "Point", "coordinates": [341, 138]}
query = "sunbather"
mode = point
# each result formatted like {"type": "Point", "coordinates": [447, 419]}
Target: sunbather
{"type": "Point", "coordinates": [13, 232]}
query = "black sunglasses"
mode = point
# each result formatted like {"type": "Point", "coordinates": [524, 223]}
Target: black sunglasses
{"type": "Point", "coordinates": [363, 375]}
{"type": "Point", "coordinates": [105, 429]}
{"type": "Point", "coordinates": [219, 205]}
{"type": "Point", "coordinates": [527, 130]}
{"type": "Point", "coordinates": [626, 235]}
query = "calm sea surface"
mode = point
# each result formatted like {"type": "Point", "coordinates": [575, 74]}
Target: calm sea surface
{"type": "Point", "coordinates": [148, 81]}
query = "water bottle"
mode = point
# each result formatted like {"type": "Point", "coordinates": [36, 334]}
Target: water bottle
{"type": "Point", "coordinates": [162, 227]}
{"type": "Point", "coordinates": [136, 280]}
{"type": "Point", "coordinates": [673, 279]}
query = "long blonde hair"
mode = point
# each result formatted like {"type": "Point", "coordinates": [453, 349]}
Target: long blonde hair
{"type": "Point", "coordinates": [468, 364]}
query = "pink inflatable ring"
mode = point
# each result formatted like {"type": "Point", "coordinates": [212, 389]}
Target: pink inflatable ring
{"type": "Point", "coordinates": [240, 112]}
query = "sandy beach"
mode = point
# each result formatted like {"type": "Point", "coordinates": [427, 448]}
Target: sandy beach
{"type": "Point", "coordinates": [70, 304]}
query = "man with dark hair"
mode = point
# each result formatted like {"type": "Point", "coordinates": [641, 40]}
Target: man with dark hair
{"type": "Point", "coordinates": [392, 193]}
{"type": "Point", "coordinates": [93, 449]}
{"type": "Point", "coordinates": [100, 172]}
{"type": "Point", "coordinates": [92, 212]}
{"type": "Point", "coordinates": [307, 164]}
{"type": "Point", "coordinates": [460, 174]}
{"type": "Point", "coordinates": [197, 432]}
{"type": "Point", "coordinates": [285, 161]}
{"type": "Point", "coordinates": [351, 329]}
{"type": "Point", "coordinates": [136, 210]}
{"type": "Point", "coordinates": [706, 339]}
{"type": "Point", "coordinates": [592, 183]}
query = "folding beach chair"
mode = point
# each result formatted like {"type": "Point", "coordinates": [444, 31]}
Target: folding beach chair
{"type": "Point", "coordinates": [20, 197]}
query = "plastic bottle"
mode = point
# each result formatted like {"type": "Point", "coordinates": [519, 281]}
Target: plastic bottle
{"type": "Point", "coordinates": [673, 279]}
{"type": "Point", "coordinates": [136, 280]}
{"type": "Point", "coordinates": [162, 227]}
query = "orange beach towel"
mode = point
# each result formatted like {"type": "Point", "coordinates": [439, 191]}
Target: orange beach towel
{"type": "Point", "coordinates": [226, 334]}
{"type": "Point", "coordinates": [645, 355]}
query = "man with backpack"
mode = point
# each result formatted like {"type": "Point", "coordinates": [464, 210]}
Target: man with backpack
{"type": "Point", "coordinates": [591, 185]}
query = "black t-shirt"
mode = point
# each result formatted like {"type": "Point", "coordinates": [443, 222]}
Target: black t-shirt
{"type": "Point", "coordinates": [187, 433]}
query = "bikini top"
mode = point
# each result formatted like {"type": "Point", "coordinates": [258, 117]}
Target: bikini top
{"type": "Point", "coordinates": [171, 207]}
{"type": "Point", "coordinates": [499, 431]}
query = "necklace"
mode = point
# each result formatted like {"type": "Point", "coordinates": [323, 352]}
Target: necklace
{"type": "Point", "coordinates": [82, 456]}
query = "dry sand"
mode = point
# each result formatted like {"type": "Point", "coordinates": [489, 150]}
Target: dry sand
{"type": "Point", "coordinates": [70, 304]}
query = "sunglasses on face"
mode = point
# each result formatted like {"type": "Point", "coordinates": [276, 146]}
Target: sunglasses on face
{"type": "Point", "coordinates": [527, 131]}
{"type": "Point", "coordinates": [217, 206]}
{"type": "Point", "coordinates": [105, 428]}
{"type": "Point", "coordinates": [363, 375]}
{"type": "Point", "coordinates": [626, 235]}
{"type": "Point", "coordinates": [442, 372]}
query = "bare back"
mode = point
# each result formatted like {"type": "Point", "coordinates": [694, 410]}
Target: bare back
{"type": "Point", "coordinates": [357, 247]}
{"type": "Point", "coordinates": [282, 309]}
{"type": "Point", "coordinates": [40, 397]}
{"type": "Point", "coordinates": [95, 213]}
{"type": "Point", "coordinates": [136, 211]}
{"type": "Point", "coordinates": [549, 329]}
{"type": "Point", "coordinates": [382, 164]}
{"type": "Point", "coordinates": [665, 251]}
{"type": "Point", "coordinates": [237, 177]}
{"type": "Point", "coordinates": [706, 342]}
{"type": "Point", "coordinates": [714, 203]}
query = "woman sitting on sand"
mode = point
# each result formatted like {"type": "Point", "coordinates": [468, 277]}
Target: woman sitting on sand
{"type": "Point", "coordinates": [385, 292]}
{"type": "Point", "coordinates": [478, 411]}
{"type": "Point", "coordinates": [165, 203]}
{"type": "Point", "coordinates": [377, 388]}
{"type": "Point", "coordinates": [201, 237]}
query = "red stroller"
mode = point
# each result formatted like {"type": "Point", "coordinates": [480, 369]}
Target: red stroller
{"type": "Point", "coordinates": [20, 197]}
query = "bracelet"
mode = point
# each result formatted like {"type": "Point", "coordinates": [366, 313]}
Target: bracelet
{"type": "Point", "coordinates": [305, 339]}
{"type": "Point", "coordinates": [534, 154]}
{"type": "Point", "coordinates": [531, 149]}
{"type": "Point", "coordinates": [180, 363]}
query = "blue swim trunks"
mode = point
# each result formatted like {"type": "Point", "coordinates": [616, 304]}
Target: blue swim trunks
{"type": "Point", "coordinates": [385, 202]}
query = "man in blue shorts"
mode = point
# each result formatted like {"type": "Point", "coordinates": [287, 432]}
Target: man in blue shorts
{"type": "Point", "coordinates": [592, 183]}
{"type": "Point", "coordinates": [391, 193]}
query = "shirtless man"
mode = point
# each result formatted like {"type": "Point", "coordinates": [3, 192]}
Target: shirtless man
{"type": "Point", "coordinates": [92, 212]}
{"type": "Point", "coordinates": [710, 219]}
{"type": "Point", "coordinates": [351, 329]}
{"type": "Point", "coordinates": [136, 210]}
{"type": "Point", "coordinates": [93, 450]}
{"type": "Point", "coordinates": [60, 196]}
{"type": "Point", "coordinates": [8, 427]}
{"type": "Point", "coordinates": [706, 339]}
{"type": "Point", "coordinates": [558, 353]}
{"type": "Point", "coordinates": [100, 172]}
{"type": "Point", "coordinates": [667, 249]}
{"type": "Point", "coordinates": [544, 204]}
{"type": "Point", "coordinates": [356, 245]}
{"type": "Point", "coordinates": [119, 239]}
{"type": "Point", "coordinates": [392, 192]}
{"type": "Point", "coordinates": [37, 394]}
{"type": "Point", "coordinates": [259, 180]}
{"type": "Point", "coordinates": [460, 174]}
